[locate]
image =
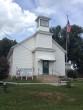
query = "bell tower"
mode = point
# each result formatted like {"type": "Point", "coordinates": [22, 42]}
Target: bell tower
{"type": "Point", "coordinates": [42, 23]}
{"type": "Point", "coordinates": [43, 37]}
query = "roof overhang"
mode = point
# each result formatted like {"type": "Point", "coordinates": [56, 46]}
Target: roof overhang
{"type": "Point", "coordinates": [10, 52]}
{"type": "Point", "coordinates": [46, 58]}
{"type": "Point", "coordinates": [59, 46]}
{"type": "Point", "coordinates": [42, 17]}
{"type": "Point", "coordinates": [43, 49]}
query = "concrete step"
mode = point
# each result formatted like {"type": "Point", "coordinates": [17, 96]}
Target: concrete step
{"type": "Point", "coordinates": [48, 78]}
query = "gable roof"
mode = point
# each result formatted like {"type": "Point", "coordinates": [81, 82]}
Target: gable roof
{"type": "Point", "coordinates": [41, 32]}
{"type": "Point", "coordinates": [59, 46]}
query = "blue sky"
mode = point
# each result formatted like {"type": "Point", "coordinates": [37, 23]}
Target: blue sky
{"type": "Point", "coordinates": [17, 17]}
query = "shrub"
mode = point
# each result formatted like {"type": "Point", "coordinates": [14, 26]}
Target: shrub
{"type": "Point", "coordinates": [72, 74]}
{"type": "Point", "coordinates": [4, 67]}
{"type": "Point", "coordinates": [68, 84]}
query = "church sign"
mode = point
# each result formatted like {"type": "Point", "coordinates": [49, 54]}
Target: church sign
{"type": "Point", "coordinates": [24, 71]}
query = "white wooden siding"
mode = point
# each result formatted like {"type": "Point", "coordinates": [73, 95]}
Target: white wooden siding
{"type": "Point", "coordinates": [35, 64]}
{"type": "Point", "coordinates": [10, 63]}
{"type": "Point", "coordinates": [59, 65]}
{"type": "Point", "coordinates": [22, 58]}
{"type": "Point", "coordinates": [45, 55]}
{"type": "Point", "coordinates": [39, 62]}
{"type": "Point", "coordinates": [44, 41]}
{"type": "Point", "coordinates": [41, 28]}
{"type": "Point", "coordinates": [51, 63]}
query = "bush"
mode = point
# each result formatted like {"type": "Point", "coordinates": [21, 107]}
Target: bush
{"type": "Point", "coordinates": [4, 67]}
{"type": "Point", "coordinates": [68, 84]}
{"type": "Point", "coordinates": [72, 74]}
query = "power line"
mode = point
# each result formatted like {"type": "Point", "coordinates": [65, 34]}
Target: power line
{"type": "Point", "coordinates": [12, 39]}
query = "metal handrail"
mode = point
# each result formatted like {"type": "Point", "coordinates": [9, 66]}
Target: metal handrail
{"type": "Point", "coordinates": [52, 72]}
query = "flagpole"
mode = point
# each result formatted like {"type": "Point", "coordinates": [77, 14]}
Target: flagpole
{"type": "Point", "coordinates": [67, 36]}
{"type": "Point", "coordinates": [67, 40]}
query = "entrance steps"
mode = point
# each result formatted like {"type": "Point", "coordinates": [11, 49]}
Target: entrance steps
{"type": "Point", "coordinates": [48, 78]}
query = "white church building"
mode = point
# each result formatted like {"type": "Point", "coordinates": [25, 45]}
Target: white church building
{"type": "Point", "coordinates": [37, 55]}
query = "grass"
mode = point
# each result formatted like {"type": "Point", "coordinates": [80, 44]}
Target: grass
{"type": "Point", "coordinates": [19, 80]}
{"type": "Point", "coordinates": [42, 97]}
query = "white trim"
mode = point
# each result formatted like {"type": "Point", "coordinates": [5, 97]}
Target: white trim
{"type": "Point", "coordinates": [24, 40]}
{"type": "Point", "coordinates": [42, 17]}
{"type": "Point", "coordinates": [59, 46]}
{"type": "Point", "coordinates": [10, 52]}
{"type": "Point", "coordinates": [49, 59]}
{"type": "Point", "coordinates": [41, 32]}
{"type": "Point", "coordinates": [43, 49]}
{"type": "Point", "coordinates": [44, 32]}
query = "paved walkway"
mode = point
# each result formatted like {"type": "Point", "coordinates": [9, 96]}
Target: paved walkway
{"type": "Point", "coordinates": [54, 84]}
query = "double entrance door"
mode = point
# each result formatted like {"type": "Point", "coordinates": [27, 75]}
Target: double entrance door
{"type": "Point", "coordinates": [45, 67]}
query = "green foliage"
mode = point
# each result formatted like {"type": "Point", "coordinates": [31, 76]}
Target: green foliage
{"type": "Point", "coordinates": [75, 47]}
{"type": "Point", "coordinates": [68, 85]}
{"type": "Point", "coordinates": [75, 44]}
{"type": "Point", "coordinates": [72, 74]}
{"type": "Point", "coordinates": [56, 34]}
{"type": "Point", "coordinates": [42, 97]}
{"type": "Point", "coordinates": [5, 45]}
{"type": "Point", "coordinates": [4, 67]}
{"type": "Point", "coordinates": [14, 79]}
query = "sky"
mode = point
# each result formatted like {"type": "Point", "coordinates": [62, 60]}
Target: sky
{"type": "Point", "coordinates": [17, 17]}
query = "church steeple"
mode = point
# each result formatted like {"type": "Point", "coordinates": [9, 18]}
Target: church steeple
{"type": "Point", "coordinates": [42, 23]}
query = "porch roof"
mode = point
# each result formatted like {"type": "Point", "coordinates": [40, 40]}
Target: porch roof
{"type": "Point", "coordinates": [46, 58]}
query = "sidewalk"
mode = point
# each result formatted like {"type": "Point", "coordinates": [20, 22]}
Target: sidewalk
{"type": "Point", "coordinates": [54, 84]}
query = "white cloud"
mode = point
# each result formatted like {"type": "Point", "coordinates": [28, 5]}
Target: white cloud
{"type": "Point", "coordinates": [77, 1]}
{"type": "Point", "coordinates": [58, 9]}
{"type": "Point", "coordinates": [45, 10]}
{"type": "Point", "coordinates": [13, 19]}
{"type": "Point", "coordinates": [45, 7]}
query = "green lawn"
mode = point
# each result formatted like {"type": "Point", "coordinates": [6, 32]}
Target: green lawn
{"type": "Point", "coordinates": [42, 97]}
{"type": "Point", "coordinates": [20, 81]}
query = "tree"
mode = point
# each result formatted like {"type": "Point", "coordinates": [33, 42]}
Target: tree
{"type": "Point", "coordinates": [56, 34]}
{"type": "Point", "coordinates": [75, 47]}
{"type": "Point", "coordinates": [4, 67]}
{"type": "Point", "coordinates": [75, 44]}
{"type": "Point", "coordinates": [72, 74]}
{"type": "Point", "coordinates": [5, 45]}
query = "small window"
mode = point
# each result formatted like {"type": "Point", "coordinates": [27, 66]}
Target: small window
{"type": "Point", "coordinates": [44, 23]}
